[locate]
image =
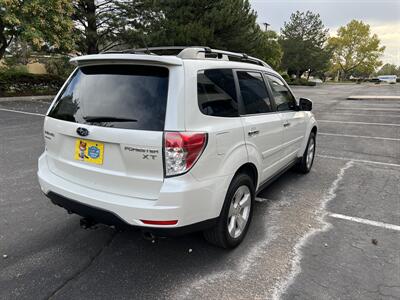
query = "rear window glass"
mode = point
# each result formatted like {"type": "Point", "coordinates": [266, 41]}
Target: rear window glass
{"type": "Point", "coordinates": [216, 93]}
{"type": "Point", "coordinates": [120, 96]}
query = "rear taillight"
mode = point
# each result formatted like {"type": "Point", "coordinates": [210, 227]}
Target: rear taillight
{"type": "Point", "coordinates": [182, 150]}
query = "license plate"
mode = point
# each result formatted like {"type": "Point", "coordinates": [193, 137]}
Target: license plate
{"type": "Point", "coordinates": [89, 151]}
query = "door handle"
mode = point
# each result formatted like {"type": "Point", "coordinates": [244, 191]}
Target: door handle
{"type": "Point", "coordinates": [253, 132]}
{"type": "Point", "coordinates": [287, 124]}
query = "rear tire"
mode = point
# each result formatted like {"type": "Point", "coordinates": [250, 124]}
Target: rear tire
{"type": "Point", "coordinates": [305, 164]}
{"type": "Point", "coordinates": [236, 214]}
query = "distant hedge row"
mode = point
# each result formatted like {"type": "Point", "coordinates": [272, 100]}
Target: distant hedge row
{"type": "Point", "coordinates": [26, 84]}
{"type": "Point", "coordinates": [295, 81]}
{"type": "Point", "coordinates": [301, 81]}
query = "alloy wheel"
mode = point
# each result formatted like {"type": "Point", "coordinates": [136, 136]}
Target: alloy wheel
{"type": "Point", "coordinates": [239, 211]}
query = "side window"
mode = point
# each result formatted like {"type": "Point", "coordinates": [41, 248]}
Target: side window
{"type": "Point", "coordinates": [254, 92]}
{"type": "Point", "coordinates": [284, 99]}
{"type": "Point", "coordinates": [216, 93]}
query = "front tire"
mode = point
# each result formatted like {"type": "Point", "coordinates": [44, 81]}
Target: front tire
{"type": "Point", "coordinates": [307, 160]}
{"type": "Point", "coordinates": [236, 214]}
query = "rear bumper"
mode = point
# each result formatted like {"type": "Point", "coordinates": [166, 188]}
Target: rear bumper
{"type": "Point", "coordinates": [109, 218]}
{"type": "Point", "coordinates": [193, 203]}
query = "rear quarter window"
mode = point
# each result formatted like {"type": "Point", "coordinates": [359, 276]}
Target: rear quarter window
{"type": "Point", "coordinates": [216, 93]}
{"type": "Point", "coordinates": [119, 96]}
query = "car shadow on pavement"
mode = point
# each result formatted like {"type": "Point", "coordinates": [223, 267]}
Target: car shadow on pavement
{"type": "Point", "coordinates": [101, 261]}
{"type": "Point", "coordinates": [132, 265]}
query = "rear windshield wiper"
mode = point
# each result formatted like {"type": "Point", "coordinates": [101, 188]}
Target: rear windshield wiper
{"type": "Point", "coordinates": [107, 119]}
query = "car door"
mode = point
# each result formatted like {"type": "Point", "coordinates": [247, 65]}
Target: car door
{"type": "Point", "coordinates": [263, 127]}
{"type": "Point", "coordinates": [293, 120]}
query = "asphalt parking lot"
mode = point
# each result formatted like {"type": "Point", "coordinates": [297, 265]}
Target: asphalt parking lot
{"type": "Point", "coordinates": [332, 234]}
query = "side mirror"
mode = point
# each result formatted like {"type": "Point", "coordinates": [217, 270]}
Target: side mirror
{"type": "Point", "coordinates": [305, 104]}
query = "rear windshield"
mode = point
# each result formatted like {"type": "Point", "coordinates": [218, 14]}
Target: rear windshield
{"type": "Point", "coordinates": [120, 96]}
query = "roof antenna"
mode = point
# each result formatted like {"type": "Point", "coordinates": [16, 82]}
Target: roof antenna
{"type": "Point", "coordinates": [145, 44]}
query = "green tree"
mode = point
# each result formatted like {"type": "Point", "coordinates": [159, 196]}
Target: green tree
{"type": "Point", "coordinates": [223, 24]}
{"type": "Point", "coordinates": [270, 50]}
{"type": "Point", "coordinates": [38, 22]}
{"type": "Point", "coordinates": [105, 24]}
{"type": "Point", "coordinates": [96, 25]}
{"type": "Point", "coordinates": [389, 69]}
{"type": "Point", "coordinates": [355, 49]}
{"type": "Point", "coordinates": [59, 65]}
{"type": "Point", "coordinates": [303, 41]}
{"type": "Point", "coordinates": [138, 20]}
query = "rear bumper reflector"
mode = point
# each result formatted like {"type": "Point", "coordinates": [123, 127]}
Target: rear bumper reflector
{"type": "Point", "coordinates": [152, 222]}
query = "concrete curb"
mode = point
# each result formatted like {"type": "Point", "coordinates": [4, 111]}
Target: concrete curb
{"type": "Point", "coordinates": [377, 97]}
{"type": "Point", "coordinates": [27, 98]}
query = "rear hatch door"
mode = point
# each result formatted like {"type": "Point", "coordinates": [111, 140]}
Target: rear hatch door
{"type": "Point", "coordinates": [105, 130]}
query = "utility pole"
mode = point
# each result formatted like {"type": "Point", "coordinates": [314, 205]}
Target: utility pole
{"type": "Point", "coordinates": [266, 26]}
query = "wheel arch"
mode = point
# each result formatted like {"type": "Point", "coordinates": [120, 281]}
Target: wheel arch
{"type": "Point", "coordinates": [251, 170]}
{"type": "Point", "coordinates": [314, 129]}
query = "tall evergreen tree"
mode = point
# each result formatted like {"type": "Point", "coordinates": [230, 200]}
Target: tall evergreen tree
{"type": "Point", "coordinates": [223, 24]}
{"type": "Point", "coordinates": [270, 50]}
{"type": "Point", "coordinates": [96, 25]}
{"type": "Point", "coordinates": [102, 25]}
{"type": "Point", "coordinates": [303, 41]}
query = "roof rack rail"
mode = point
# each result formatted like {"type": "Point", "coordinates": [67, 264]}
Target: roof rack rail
{"type": "Point", "coordinates": [194, 52]}
{"type": "Point", "coordinates": [168, 50]}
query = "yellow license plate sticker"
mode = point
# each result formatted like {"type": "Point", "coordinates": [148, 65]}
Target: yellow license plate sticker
{"type": "Point", "coordinates": [89, 151]}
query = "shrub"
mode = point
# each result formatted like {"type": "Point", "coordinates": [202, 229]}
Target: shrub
{"type": "Point", "coordinates": [302, 81]}
{"type": "Point", "coordinates": [16, 82]}
{"type": "Point", "coordinates": [285, 76]}
{"type": "Point", "coordinates": [59, 66]}
{"type": "Point", "coordinates": [15, 69]}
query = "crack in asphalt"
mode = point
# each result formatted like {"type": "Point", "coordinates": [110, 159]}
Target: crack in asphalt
{"type": "Point", "coordinates": [323, 226]}
{"type": "Point", "coordinates": [86, 267]}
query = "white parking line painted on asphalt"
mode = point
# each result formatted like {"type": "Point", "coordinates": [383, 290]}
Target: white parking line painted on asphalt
{"type": "Point", "coordinates": [359, 136]}
{"type": "Point", "coordinates": [373, 97]}
{"type": "Point", "coordinates": [370, 103]}
{"type": "Point", "coordinates": [364, 108]}
{"type": "Point", "coordinates": [261, 200]}
{"type": "Point", "coordinates": [359, 160]}
{"type": "Point", "coordinates": [22, 112]}
{"type": "Point", "coordinates": [359, 123]}
{"type": "Point", "coordinates": [360, 115]}
{"type": "Point", "coordinates": [365, 221]}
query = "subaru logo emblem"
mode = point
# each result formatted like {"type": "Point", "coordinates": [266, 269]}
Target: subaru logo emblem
{"type": "Point", "coordinates": [82, 131]}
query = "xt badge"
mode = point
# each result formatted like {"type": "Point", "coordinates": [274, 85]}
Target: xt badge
{"type": "Point", "coordinates": [150, 154]}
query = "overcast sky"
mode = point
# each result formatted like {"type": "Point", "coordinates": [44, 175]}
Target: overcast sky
{"type": "Point", "coordinates": [382, 15]}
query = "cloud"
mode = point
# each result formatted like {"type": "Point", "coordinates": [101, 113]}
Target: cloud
{"type": "Point", "coordinates": [389, 35]}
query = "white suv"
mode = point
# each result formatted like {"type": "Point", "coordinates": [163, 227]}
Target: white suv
{"type": "Point", "coordinates": [172, 143]}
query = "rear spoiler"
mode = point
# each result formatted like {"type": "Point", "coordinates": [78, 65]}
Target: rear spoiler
{"type": "Point", "coordinates": [114, 58]}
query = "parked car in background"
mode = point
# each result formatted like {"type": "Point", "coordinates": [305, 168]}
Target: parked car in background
{"type": "Point", "coordinates": [388, 78]}
{"type": "Point", "coordinates": [316, 80]}
{"type": "Point", "coordinates": [173, 143]}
